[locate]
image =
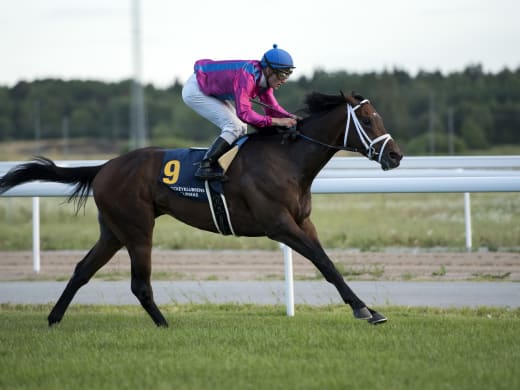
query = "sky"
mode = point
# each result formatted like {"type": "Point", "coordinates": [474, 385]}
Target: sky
{"type": "Point", "coordinates": [93, 39]}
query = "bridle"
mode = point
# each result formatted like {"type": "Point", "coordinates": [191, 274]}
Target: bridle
{"type": "Point", "coordinates": [368, 143]}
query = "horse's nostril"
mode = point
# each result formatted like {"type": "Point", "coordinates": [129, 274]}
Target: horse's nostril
{"type": "Point", "coordinates": [395, 156]}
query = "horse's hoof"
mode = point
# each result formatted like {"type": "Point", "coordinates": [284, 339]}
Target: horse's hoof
{"type": "Point", "coordinates": [161, 323]}
{"type": "Point", "coordinates": [53, 321]}
{"type": "Point", "coordinates": [362, 313]}
{"type": "Point", "coordinates": [376, 318]}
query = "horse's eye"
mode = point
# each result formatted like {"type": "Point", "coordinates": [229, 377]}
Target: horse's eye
{"type": "Point", "coordinates": [366, 121]}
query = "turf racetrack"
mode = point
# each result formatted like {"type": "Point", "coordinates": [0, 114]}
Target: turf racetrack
{"type": "Point", "coordinates": [258, 347]}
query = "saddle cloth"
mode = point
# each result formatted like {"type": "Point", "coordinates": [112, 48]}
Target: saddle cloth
{"type": "Point", "coordinates": [177, 173]}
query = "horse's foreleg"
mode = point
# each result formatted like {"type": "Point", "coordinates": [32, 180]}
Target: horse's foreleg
{"type": "Point", "coordinates": [303, 239]}
{"type": "Point", "coordinates": [97, 257]}
{"type": "Point", "coordinates": [140, 255]}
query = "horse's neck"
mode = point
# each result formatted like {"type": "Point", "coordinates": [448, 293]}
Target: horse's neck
{"type": "Point", "coordinates": [328, 130]}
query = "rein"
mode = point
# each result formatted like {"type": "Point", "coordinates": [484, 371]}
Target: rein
{"type": "Point", "coordinates": [368, 143]}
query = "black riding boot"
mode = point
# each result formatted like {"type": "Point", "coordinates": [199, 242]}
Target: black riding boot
{"type": "Point", "coordinates": [208, 168]}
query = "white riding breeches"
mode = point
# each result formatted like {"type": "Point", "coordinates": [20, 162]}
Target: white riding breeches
{"type": "Point", "coordinates": [220, 113]}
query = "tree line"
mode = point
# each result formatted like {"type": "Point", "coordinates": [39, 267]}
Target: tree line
{"type": "Point", "coordinates": [426, 113]}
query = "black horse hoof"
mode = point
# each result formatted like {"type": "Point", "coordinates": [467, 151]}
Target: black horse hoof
{"type": "Point", "coordinates": [376, 318]}
{"type": "Point", "coordinates": [362, 313]}
{"type": "Point", "coordinates": [52, 322]}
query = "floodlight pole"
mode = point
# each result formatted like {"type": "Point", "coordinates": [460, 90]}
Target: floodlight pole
{"type": "Point", "coordinates": [137, 110]}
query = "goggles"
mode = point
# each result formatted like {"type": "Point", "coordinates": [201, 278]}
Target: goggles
{"type": "Point", "coordinates": [282, 74]}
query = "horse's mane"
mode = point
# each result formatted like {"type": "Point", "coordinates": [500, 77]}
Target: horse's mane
{"type": "Point", "coordinates": [317, 102]}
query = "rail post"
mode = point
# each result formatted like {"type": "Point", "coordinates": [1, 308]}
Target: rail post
{"type": "Point", "coordinates": [36, 233]}
{"type": "Point", "coordinates": [467, 220]}
{"type": "Point", "coordinates": [289, 282]}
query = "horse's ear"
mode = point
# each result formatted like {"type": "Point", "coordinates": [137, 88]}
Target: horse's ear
{"type": "Point", "coordinates": [357, 96]}
{"type": "Point", "coordinates": [350, 99]}
{"type": "Point", "coordinates": [342, 94]}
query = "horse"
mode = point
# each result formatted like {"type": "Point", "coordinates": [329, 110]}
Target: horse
{"type": "Point", "coordinates": [268, 193]}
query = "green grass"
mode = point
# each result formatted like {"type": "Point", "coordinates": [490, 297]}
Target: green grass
{"type": "Point", "coordinates": [368, 222]}
{"type": "Point", "coordinates": [440, 272]}
{"type": "Point", "coordinates": [258, 347]}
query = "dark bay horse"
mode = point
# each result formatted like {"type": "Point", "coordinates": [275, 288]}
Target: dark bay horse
{"type": "Point", "coordinates": [268, 194]}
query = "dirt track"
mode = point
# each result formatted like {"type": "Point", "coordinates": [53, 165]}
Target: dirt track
{"type": "Point", "coordinates": [266, 265]}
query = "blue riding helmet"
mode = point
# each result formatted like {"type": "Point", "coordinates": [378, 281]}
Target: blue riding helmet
{"type": "Point", "coordinates": [277, 59]}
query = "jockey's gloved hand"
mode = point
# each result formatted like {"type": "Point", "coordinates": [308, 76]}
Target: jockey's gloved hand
{"type": "Point", "coordinates": [288, 133]}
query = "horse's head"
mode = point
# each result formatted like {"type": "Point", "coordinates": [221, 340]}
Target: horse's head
{"type": "Point", "coordinates": [365, 132]}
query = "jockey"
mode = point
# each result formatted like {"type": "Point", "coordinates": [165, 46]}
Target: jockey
{"type": "Point", "coordinates": [221, 92]}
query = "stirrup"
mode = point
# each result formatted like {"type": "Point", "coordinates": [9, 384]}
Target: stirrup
{"type": "Point", "coordinates": [209, 173]}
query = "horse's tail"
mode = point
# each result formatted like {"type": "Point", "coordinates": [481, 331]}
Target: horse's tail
{"type": "Point", "coordinates": [42, 168]}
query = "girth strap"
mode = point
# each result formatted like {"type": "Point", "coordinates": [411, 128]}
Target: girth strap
{"type": "Point", "coordinates": [219, 211]}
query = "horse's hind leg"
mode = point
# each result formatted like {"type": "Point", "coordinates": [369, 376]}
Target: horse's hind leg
{"type": "Point", "coordinates": [140, 256]}
{"type": "Point", "coordinates": [97, 257]}
{"type": "Point", "coordinates": [131, 217]}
